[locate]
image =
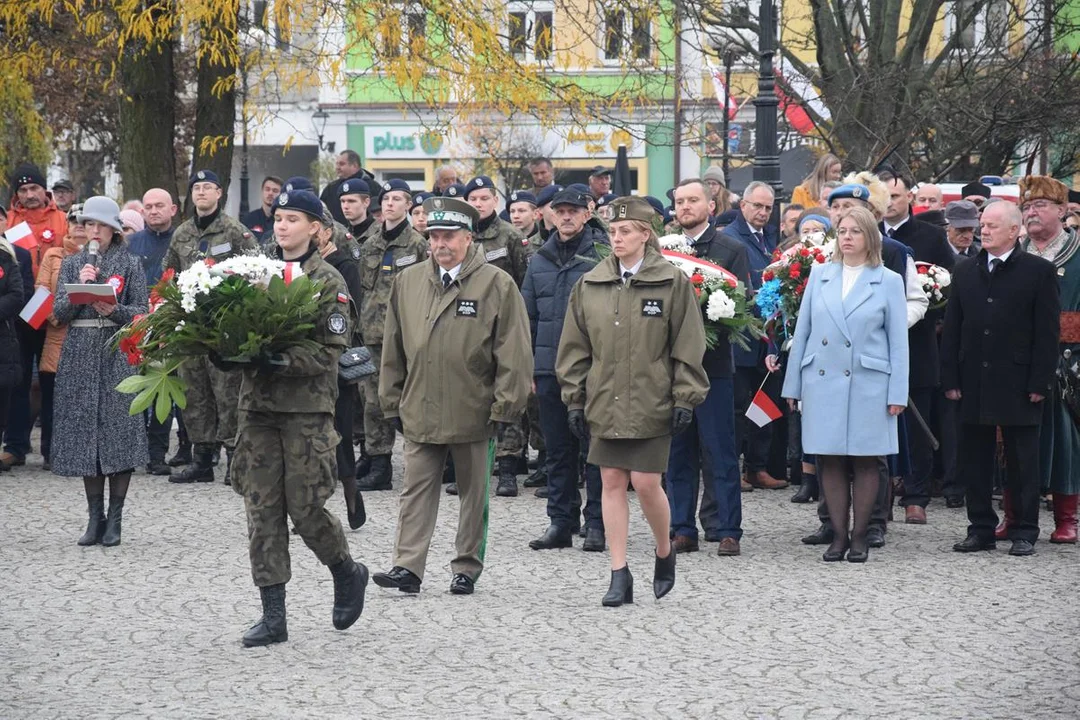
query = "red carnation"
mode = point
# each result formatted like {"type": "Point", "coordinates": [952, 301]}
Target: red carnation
{"type": "Point", "coordinates": [804, 252]}
{"type": "Point", "coordinates": [697, 278]}
{"type": "Point", "coordinates": [923, 270]}
{"type": "Point", "coordinates": [209, 262]}
{"type": "Point", "coordinates": [819, 258]}
{"type": "Point", "coordinates": [794, 271]}
{"type": "Point", "coordinates": [167, 276]}
{"type": "Point", "coordinates": [768, 275]}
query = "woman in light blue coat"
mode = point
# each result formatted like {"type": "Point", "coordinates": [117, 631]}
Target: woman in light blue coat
{"type": "Point", "coordinates": [849, 367]}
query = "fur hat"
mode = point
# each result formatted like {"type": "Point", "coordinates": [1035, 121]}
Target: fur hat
{"type": "Point", "coordinates": [879, 194]}
{"type": "Point", "coordinates": [1042, 187]}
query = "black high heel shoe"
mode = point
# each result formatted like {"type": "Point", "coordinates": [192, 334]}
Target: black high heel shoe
{"type": "Point", "coordinates": [621, 591]}
{"type": "Point", "coordinates": [835, 554]}
{"type": "Point", "coordinates": [859, 551]}
{"type": "Point", "coordinates": [664, 575]}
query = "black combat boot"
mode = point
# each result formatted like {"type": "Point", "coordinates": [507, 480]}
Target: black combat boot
{"type": "Point", "coordinates": [96, 527]}
{"type": "Point", "coordinates": [538, 478]}
{"type": "Point", "coordinates": [507, 479]}
{"type": "Point", "coordinates": [200, 470]}
{"type": "Point", "coordinates": [380, 476]}
{"type": "Point", "coordinates": [350, 584]}
{"type": "Point", "coordinates": [111, 538]}
{"type": "Point", "coordinates": [271, 627]}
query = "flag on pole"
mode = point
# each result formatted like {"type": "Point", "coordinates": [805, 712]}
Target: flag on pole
{"type": "Point", "coordinates": [720, 88]}
{"type": "Point", "coordinates": [38, 309]}
{"type": "Point", "coordinates": [763, 410]}
{"type": "Point", "coordinates": [22, 236]}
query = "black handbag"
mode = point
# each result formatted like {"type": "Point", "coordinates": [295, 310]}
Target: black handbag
{"type": "Point", "coordinates": [355, 364]}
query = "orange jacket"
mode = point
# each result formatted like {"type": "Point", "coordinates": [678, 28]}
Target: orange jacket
{"type": "Point", "coordinates": [47, 277]}
{"type": "Point", "coordinates": [48, 223]}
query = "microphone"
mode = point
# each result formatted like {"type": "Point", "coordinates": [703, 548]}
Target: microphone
{"type": "Point", "coordinates": [92, 249]}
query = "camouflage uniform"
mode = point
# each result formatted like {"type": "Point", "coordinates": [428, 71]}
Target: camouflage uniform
{"type": "Point", "coordinates": [284, 465]}
{"type": "Point", "coordinates": [382, 257]}
{"type": "Point", "coordinates": [210, 415]}
{"type": "Point", "coordinates": [533, 242]}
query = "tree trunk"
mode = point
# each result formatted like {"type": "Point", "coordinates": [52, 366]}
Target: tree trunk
{"type": "Point", "coordinates": [147, 120]}
{"type": "Point", "coordinates": [215, 102]}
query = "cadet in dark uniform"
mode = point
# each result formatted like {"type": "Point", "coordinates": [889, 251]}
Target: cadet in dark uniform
{"type": "Point", "coordinates": [417, 213]}
{"type": "Point", "coordinates": [354, 195]}
{"type": "Point", "coordinates": [633, 336]}
{"type": "Point", "coordinates": [284, 465]}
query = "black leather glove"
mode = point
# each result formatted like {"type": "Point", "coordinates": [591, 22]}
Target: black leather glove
{"type": "Point", "coordinates": [269, 362]}
{"type": "Point", "coordinates": [395, 423]}
{"type": "Point", "coordinates": [500, 430]}
{"type": "Point", "coordinates": [222, 364]}
{"type": "Point", "coordinates": [680, 419]}
{"type": "Point", "coordinates": [578, 426]}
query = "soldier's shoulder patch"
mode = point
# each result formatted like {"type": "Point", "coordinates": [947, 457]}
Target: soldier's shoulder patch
{"type": "Point", "coordinates": [356, 252]}
{"type": "Point", "coordinates": [336, 323]}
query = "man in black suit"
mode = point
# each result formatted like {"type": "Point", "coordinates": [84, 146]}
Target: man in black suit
{"type": "Point", "coordinates": [347, 165]}
{"type": "Point", "coordinates": [928, 244]}
{"type": "Point", "coordinates": [999, 353]}
{"type": "Point", "coordinates": [709, 442]}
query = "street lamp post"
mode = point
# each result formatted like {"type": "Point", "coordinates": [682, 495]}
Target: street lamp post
{"type": "Point", "coordinates": [729, 60]}
{"type": "Point", "coordinates": [766, 154]}
{"type": "Point", "coordinates": [244, 180]}
{"type": "Point", "coordinates": [318, 121]}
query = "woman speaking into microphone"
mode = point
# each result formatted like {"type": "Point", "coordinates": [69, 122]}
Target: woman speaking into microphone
{"type": "Point", "coordinates": [629, 364]}
{"type": "Point", "coordinates": [100, 438]}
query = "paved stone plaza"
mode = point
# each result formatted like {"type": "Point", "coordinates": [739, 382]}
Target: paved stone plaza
{"type": "Point", "coordinates": [151, 628]}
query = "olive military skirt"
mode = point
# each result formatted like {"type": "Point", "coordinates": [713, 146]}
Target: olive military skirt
{"type": "Point", "coordinates": [647, 455]}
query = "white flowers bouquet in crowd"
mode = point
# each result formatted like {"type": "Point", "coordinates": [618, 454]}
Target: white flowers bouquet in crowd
{"type": "Point", "coordinates": [935, 281]}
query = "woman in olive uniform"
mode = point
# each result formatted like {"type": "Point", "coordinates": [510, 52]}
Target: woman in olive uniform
{"type": "Point", "coordinates": [629, 365]}
{"type": "Point", "coordinates": [284, 465]}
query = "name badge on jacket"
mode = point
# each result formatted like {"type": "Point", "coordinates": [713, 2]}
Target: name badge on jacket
{"type": "Point", "coordinates": [495, 254]}
{"type": "Point", "coordinates": [466, 308]}
{"type": "Point", "coordinates": [652, 308]}
{"type": "Point", "coordinates": [221, 248]}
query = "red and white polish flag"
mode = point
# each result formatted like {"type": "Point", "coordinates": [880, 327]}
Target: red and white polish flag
{"type": "Point", "coordinates": [38, 309]}
{"type": "Point", "coordinates": [22, 236]}
{"type": "Point", "coordinates": [291, 272]}
{"type": "Point", "coordinates": [763, 410]}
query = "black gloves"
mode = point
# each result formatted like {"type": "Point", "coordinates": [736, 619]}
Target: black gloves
{"type": "Point", "coordinates": [578, 426]}
{"type": "Point", "coordinates": [500, 430]}
{"type": "Point", "coordinates": [222, 364]}
{"type": "Point", "coordinates": [680, 419]}
{"type": "Point", "coordinates": [395, 422]}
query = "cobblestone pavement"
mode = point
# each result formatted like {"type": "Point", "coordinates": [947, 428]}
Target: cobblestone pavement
{"type": "Point", "coordinates": [151, 628]}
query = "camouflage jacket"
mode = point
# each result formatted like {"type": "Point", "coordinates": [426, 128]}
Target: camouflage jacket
{"type": "Point", "coordinates": [382, 257]}
{"type": "Point", "coordinates": [223, 238]}
{"type": "Point", "coordinates": [533, 242]}
{"type": "Point", "coordinates": [308, 382]}
{"type": "Point", "coordinates": [504, 247]}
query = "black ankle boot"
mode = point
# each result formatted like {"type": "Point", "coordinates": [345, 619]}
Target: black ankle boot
{"type": "Point", "coordinates": [808, 490]}
{"type": "Point", "coordinates": [380, 476]}
{"type": "Point", "coordinates": [111, 538]}
{"type": "Point", "coordinates": [539, 475]}
{"type": "Point", "coordinates": [664, 575]}
{"type": "Point", "coordinates": [350, 583]}
{"type": "Point", "coordinates": [200, 470]}
{"type": "Point", "coordinates": [182, 456]}
{"type": "Point", "coordinates": [621, 591]}
{"type": "Point", "coordinates": [271, 627]}
{"type": "Point", "coordinates": [507, 478]}
{"type": "Point", "coordinates": [96, 527]}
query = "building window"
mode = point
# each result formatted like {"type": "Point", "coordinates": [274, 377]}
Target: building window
{"type": "Point", "coordinates": [530, 30]}
{"type": "Point", "coordinates": [407, 35]}
{"type": "Point", "coordinates": [267, 23]}
{"type": "Point", "coordinates": [977, 27]}
{"type": "Point", "coordinates": [627, 33]}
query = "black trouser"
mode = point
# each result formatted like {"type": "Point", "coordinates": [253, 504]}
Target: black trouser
{"type": "Point", "coordinates": [563, 462]}
{"type": "Point", "coordinates": [880, 515]}
{"type": "Point", "coordinates": [949, 436]}
{"type": "Point", "coordinates": [343, 423]}
{"type": "Point", "coordinates": [19, 421]}
{"type": "Point", "coordinates": [47, 381]}
{"type": "Point", "coordinates": [751, 441]}
{"type": "Point", "coordinates": [917, 482]}
{"type": "Point", "coordinates": [157, 435]}
{"type": "Point", "coordinates": [978, 448]}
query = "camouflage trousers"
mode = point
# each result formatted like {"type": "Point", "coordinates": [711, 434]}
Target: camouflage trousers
{"type": "Point", "coordinates": [524, 433]}
{"type": "Point", "coordinates": [284, 466]}
{"type": "Point", "coordinates": [378, 434]}
{"type": "Point", "coordinates": [212, 400]}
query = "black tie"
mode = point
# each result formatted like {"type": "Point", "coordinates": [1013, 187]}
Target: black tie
{"type": "Point", "coordinates": [626, 276]}
{"type": "Point", "coordinates": [994, 264]}
{"type": "Point", "coordinates": [760, 239]}
{"type": "Point", "coordinates": [891, 232]}
{"type": "Point", "coordinates": [446, 280]}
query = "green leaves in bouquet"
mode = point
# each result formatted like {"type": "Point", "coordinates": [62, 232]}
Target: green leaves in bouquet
{"type": "Point", "coordinates": [270, 321]}
{"type": "Point", "coordinates": [157, 386]}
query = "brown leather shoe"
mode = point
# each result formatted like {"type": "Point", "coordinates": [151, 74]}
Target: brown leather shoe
{"type": "Point", "coordinates": [914, 515]}
{"type": "Point", "coordinates": [684, 544]}
{"type": "Point", "coordinates": [765, 481]}
{"type": "Point", "coordinates": [745, 486]}
{"type": "Point", "coordinates": [729, 547]}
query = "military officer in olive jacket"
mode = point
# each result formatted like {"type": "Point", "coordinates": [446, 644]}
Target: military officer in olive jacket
{"type": "Point", "coordinates": [210, 415]}
{"type": "Point", "coordinates": [456, 371]}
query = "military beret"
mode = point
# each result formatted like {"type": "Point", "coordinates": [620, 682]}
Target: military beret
{"type": "Point", "coordinates": [599, 171]}
{"type": "Point", "coordinates": [457, 190]}
{"type": "Point", "coordinates": [204, 176]}
{"type": "Point", "coordinates": [851, 190]}
{"type": "Point", "coordinates": [975, 188]}
{"type": "Point", "coordinates": [419, 198]}
{"type": "Point", "coordinates": [27, 174]}
{"type": "Point", "coordinates": [395, 184]}
{"type": "Point", "coordinates": [570, 196]}
{"type": "Point", "coordinates": [579, 187]}
{"type": "Point", "coordinates": [303, 201]}
{"type": "Point", "coordinates": [548, 194]}
{"type": "Point", "coordinates": [632, 208]}
{"type": "Point", "coordinates": [656, 204]}
{"type": "Point", "coordinates": [606, 199]}
{"type": "Point", "coordinates": [444, 213]}
{"type": "Point", "coordinates": [521, 196]}
{"type": "Point", "coordinates": [298, 182]}
{"type": "Point", "coordinates": [477, 183]}
{"type": "Point", "coordinates": [1043, 187]}
{"type": "Point", "coordinates": [353, 186]}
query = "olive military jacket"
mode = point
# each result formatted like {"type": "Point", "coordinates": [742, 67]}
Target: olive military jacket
{"type": "Point", "coordinates": [383, 256]}
{"type": "Point", "coordinates": [631, 351]}
{"type": "Point", "coordinates": [455, 360]}
{"type": "Point", "coordinates": [504, 247]}
{"type": "Point", "coordinates": [222, 239]}
{"type": "Point", "coordinates": [307, 382]}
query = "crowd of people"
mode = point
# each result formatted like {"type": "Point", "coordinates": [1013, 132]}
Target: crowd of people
{"type": "Point", "coordinates": [549, 318]}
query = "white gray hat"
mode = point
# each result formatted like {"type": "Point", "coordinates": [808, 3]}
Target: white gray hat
{"type": "Point", "coordinates": [103, 210]}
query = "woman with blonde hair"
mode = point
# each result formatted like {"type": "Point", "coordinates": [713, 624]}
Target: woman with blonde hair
{"type": "Point", "coordinates": [827, 169]}
{"type": "Point", "coordinates": [849, 367]}
{"type": "Point", "coordinates": [629, 364]}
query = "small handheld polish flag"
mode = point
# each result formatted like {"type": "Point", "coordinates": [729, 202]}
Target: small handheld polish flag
{"type": "Point", "coordinates": [22, 236]}
{"type": "Point", "coordinates": [38, 309]}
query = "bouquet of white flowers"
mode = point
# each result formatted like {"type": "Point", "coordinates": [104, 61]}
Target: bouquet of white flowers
{"type": "Point", "coordinates": [935, 281]}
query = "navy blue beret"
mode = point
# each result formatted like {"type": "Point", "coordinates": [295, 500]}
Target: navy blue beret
{"type": "Point", "coordinates": [298, 182]}
{"type": "Point", "coordinates": [521, 196]}
{"type": "Point", "coordinates": [204, 176]}
{"type": "Point", "coordinates": [477, 183]}
{"type": "Point", "coordinates": [548, 194]}
{"type": "Point", "coordinates": [353, 186]}
{"type": "Point", "coordinates": [303, 201]}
